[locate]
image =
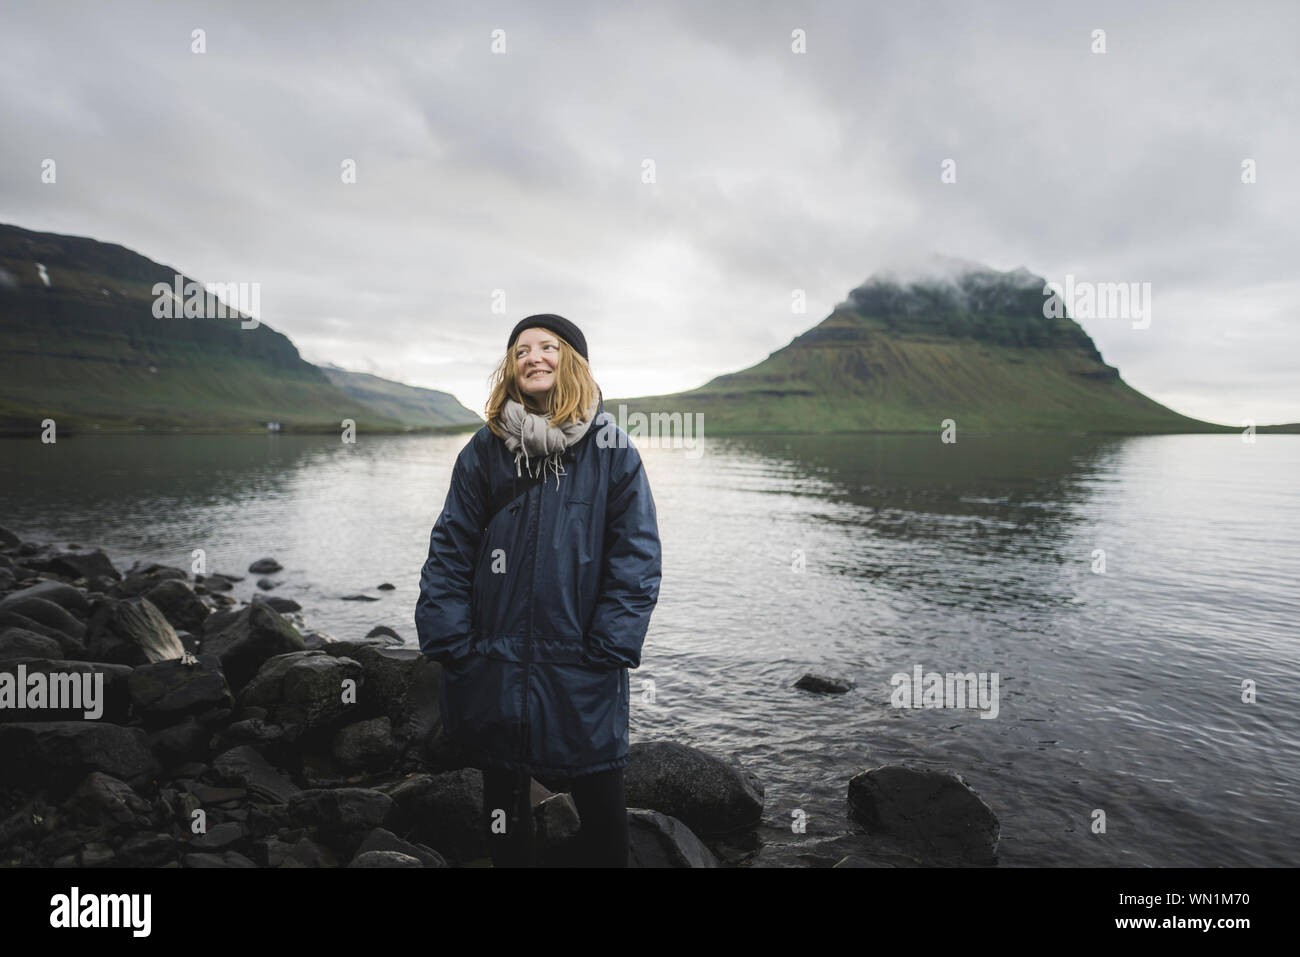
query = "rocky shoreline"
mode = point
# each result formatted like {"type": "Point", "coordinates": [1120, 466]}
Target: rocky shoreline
{"type": "Point", "coordinates": [148, 719]}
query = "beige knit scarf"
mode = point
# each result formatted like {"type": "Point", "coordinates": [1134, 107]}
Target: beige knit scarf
{"type": "Point", "coordinates": [531, 435]}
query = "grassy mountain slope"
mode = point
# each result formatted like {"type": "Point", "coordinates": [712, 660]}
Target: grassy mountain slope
{"type": "Point", "coordinates": [86, 350]}
{"type": "Point", "coordinates": [962, 342]}
{"type": "Point", "coordinates": [407, 404]}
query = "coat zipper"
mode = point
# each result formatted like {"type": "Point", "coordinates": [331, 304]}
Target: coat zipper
{"type": "Point", "coordinates": [525, 727]}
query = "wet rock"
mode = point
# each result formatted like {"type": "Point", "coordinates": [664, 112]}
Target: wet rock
{"type": "Point", "coordinates": [709, 795]}
{"type": "Point", "coordinates": [244, 767]}
{"type": "Point", "coordinates": [131, 631]}
{"type": "Point", "coordinates": [660, 840]}
{"type": "Point", "coordinates": [381, 839]}
{"type": "Point", "coordinates": [281, 605]}
{"type": "Point", "coordinates": [9, 539]}
{"type": "Point", "coordinates": [142, 578]}
{"type": "Point", "coordinates": [366, 747]}
{"type": "Point", "coordinates": [556, 824]}
{"type": "Point", "coordinates": [68, 597]}
{"type": "Point", "coordinates": [246, 639]}
{"type": "Point", "coordinates": [305, 688]}
{"type": "Point", "coordinates": [179, 604]}
{"type": "Point", "coordinates": [384, 632]}
{"type": "Point", "coordinates": [823, 684]}
{"type": "Point", "coordinates": [936, 811]}
{"type": "Point", "coordinates": [21, 643]}
{"type": "Point", "coordinates": [267, 584]}
{"type": "Point", "coordinates": [446, 812]}
{"type": "Point", "coordinates": [70, 647]}
{"type": "Point", "coordinates": [188, 740]}
{"type": "Point", "coordinates": [58, 753]}
{"type": "Point", "coordinates": [347, 648]}
{"type": "Point", "coordinates": [400, 684]}
{"type": "Point", "coordinates": [44, 612]}
{"type": "Point", "coordinates": [359, 598]}
{"type": "Point", "coordinates": [386, 586]}
{"type": "Point", "coordinates": [103, 799]}
{"type": "Point", "coordinates": [204, 584]}
{"type": "Point", "coordinates": [76, 564]}
{"type": "Point", "coordinates": [265, 566]}
{"type": "Point", "coordinates": [165, 692]}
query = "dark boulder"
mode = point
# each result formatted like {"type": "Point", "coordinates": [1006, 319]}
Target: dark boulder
{"type": "Point", "coordinates": [709, 795]}
{"type": "Point", "coordinates": [246, 638]}
{"type": "Point", "coordinates": [381, 839]}
{"type": "Point", "coordinates": [660, 840]}
{"type": "Point", "coordinates": [103, 799]}
{"type": "Point", "coordinates": [281, 605]}
{"type": "Point", "coordinates": [76, 564]}
{"type": "Point", "coordinates": [66, 596]}
{"type": "Point", "coordinates": [167, 691]}
{"type": "Point", "coordinates": [180, 605]}
{"type": "Point", "coordinates": [445, 811]}
{"type": "Point", "coordinates": [59, 753]}
{"type": "Point", "coordinates": [244, 767]}
{"type": "Point", "coordinates": [21, 643]}
{"type": "Point", "coordinates": [131, 631]}
{"type": "Point", "coordinates": [46, 613]}
{"type": "Point", "coordinates": [936, 811]}
{"type": "Point", "coordinates": [366, 747]}
{"type": "Point", "coordinates": [823, 684]}
{"type": "Point", "coordinates": [305, 688]}
{"type": "Point", "coordinates": [69, 647]}
{"type": "Point", "coordinates": [400, 684]}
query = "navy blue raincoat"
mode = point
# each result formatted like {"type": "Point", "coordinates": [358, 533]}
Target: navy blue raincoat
{"type": "Point", "coordinates": [536, 601]}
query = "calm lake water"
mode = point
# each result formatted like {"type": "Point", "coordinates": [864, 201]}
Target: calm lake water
{"type": "Point", "coordinates": [855, 556]}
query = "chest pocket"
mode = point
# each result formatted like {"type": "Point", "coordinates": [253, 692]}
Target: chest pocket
{"type": "Point", "coordinates": [578, 519]}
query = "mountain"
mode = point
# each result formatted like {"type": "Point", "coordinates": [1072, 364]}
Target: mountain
{"type": "Point", "coordinates": [406, 403]}
{"type": "Point", "coordinates": [908, 349]}
{"type": "Point", "coordinates": [84, 340]}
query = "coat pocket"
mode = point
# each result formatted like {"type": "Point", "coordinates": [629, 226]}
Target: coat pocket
{"type": "Point", "coordinates": [579, 715]}
{"type": "Point", "coordinates": [481, 705]}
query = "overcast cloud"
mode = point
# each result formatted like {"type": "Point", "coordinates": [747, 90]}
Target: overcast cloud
{"type": "Point", "coordinates": [775, 171]}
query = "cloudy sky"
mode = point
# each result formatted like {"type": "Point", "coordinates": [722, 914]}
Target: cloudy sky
{"type": "Point", "coordinates": [502, 152]}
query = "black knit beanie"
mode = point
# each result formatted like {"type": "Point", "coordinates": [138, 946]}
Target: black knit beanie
{"type": "Point", "coordinates": [557, 324]}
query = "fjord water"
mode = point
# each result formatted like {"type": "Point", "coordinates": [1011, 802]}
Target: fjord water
{"type": "Point", "coordinates": [859, 556]}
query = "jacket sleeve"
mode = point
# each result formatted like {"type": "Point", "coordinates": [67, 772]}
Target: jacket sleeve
{"type": "Point", "coordinates": [630, 580]}
{"type": "Point", "coordinates": [443, 614]}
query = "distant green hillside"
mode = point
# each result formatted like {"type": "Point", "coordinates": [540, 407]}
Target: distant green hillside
{"type": "Point", "coordinates": [407, 404]}
{"type": "Point", "coordinates": [965, 343]}
{"type": "Point", "coordinates": [80, 344]}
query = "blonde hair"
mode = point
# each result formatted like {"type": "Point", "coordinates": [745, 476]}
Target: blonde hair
{"type": "Point", "coordinates": [574, 394]}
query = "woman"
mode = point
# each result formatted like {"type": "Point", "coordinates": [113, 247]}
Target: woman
{"type": "Point", "coordinates": [537, 594]}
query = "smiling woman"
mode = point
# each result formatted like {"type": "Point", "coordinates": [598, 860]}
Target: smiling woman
{"type": "Point", "coordinates": [537, 353]}
{"type": "Point", "coordinates": [535, 599]}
